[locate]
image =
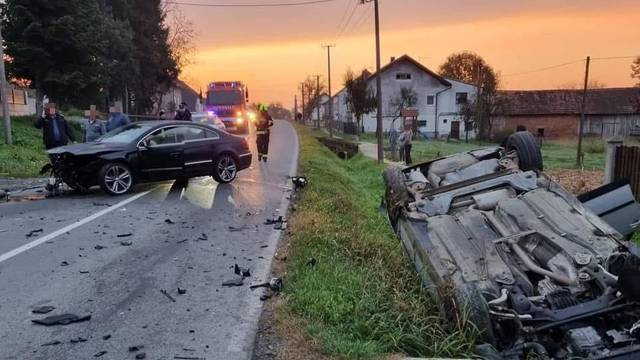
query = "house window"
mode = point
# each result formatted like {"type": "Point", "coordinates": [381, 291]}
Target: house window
{"type": "Point", "coordinates": [403, 76]}
{"type": "Point", "coordinates": [461, 98]}
{"type": "Point", "coordinates": [444, 121]}
{"type": "Point", "coordinates": [430, 99]}
{"type": "Point", "coordinates": [540, 132]}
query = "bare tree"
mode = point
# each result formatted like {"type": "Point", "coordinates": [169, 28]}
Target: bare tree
{"type": "Point", "coordinates": [360, 98]}
{"type": "Point", "coordinates": [181, 35]}
{"type": "Point", "coordinates": [312, 94]}
{"type": "Point", "coordinates": [575, 85]}
{"type": "Point", "coordinates": [635, 74]}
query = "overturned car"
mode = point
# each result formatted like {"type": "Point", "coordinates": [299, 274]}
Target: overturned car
{"type": "Point", "coordinates": [500, 244]}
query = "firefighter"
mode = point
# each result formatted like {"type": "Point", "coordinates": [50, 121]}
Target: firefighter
{"type": "Point", "coordinates": [262, 131]}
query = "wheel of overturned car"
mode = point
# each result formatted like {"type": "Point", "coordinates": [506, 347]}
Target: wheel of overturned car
{"type": "Point", "coordinates": [396, 193]}
{"type": "Point", "coordinates": [116, 178]}
{"type": "Point", "coordinates": [528, 150]}
{"type": "Point", "coordinates": [464, 304]}
{"type": "Point", "coordinates": [225, 168]}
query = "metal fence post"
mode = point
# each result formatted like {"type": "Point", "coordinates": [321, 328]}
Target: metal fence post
{"type": "Point", "coordinates": [609, 169]}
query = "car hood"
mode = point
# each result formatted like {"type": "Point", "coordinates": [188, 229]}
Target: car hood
{"type": "Point", "coordinates": [92, 148]}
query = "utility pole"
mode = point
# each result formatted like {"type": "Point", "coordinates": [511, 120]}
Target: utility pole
{"type": "Point", "coordinates": [3, 94]}
{"type": "Point", "coordinates": [295, 108]}
{"type": "Point", "coordinates": [582, 112]}
{"type": "Point", "coordinates": [318, 99]}
{"type": "Point", "coordinates": [329, 87]}
{"type": "Point", "coordinates": [303, 112]}
{"type": "Point", "coordinates": [379, 124]}
{"type": "Point", "coordinates": [481, 126]}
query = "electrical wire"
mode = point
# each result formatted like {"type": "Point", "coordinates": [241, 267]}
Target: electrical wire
{"type": "Point", "coordinates": [363, 20]}
{"type": "Point", "coordinates": [346, 25]}
{"type": "Point", "coordinates": [300, 3]}
{"type": "Point", "coordinates": [344, 14]}
{"type": "Point", "coordinates": [616, 57]}
{"type": "Point", "coordinates": [545, 68]}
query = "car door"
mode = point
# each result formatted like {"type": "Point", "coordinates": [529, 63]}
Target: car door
{"type": "Point", "coordinates": [198, 151]}
{"type": "Point", "coordinates": [161, 154]}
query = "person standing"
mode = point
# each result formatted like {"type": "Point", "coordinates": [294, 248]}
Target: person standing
{"type": "Point", "coordinates": [406, 142]}
{"type": "Point", "coordinates": [183, 112]}
{"type": "Point", "coordinates": [116, 118]}
{"type": "Point", "coordinates": [92, 129]}
{"type": "Point", "coordinates": [55, 129]}
{"type": "Point", "coordinates": [393, 141]}
{"type": "Point", "coordinates": [264, 123]}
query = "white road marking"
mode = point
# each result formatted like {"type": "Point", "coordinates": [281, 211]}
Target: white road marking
{"type": "Point", "coordinates": [45, 238]}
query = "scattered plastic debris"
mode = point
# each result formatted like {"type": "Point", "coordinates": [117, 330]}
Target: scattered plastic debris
{"type": "Point", "coordinates": [64, 263]}
{"type": "Point", "coordinates": [64, 319]}
{"type": "Point", "coordinates": [99, 247]}
{"type": "Point", "coordinates": [106, 337]}
{"type": "Point", "coordinates": [136, 348]}
{"type": "Point", "coordinates": [52, 343]}
{"type": "Point", "coordinates": [299, 182]}
{"type": "Point", "coordinates": [238, 229]}
{"type": "Point", "coordinates": [182, 291]}
{"type": "Point", "coordinates": [101, 204]}
{"type": "Point", "coordinates": [43, 309]}
{"type": "Point", "coordinates": [33, 233]}
{"type": "Point", "coordinates": [78, 340]}
{"type": "Point", "coordinates": [182, 241]}
{"type": "Point", "coordinates": [244, 272]}
{"type": "Point", "coordinates": [99, 354]}
{"type": "Point", "coordinates": [124, 235]}
{"type": "Point", "coordinates": [274, 284]}
{"type": "Point", "coordinates": [202, 237]}
{"type": "Point", "coordinates": [169, 221]}
{"type": "Point", "coordinates": [126, 243]}
{"type": "Point", "coordinates": [312, 262]}
{"type": "Point", "coordinates": [165, 293]}
{"type": "Point", "coordinates": [141, 356]}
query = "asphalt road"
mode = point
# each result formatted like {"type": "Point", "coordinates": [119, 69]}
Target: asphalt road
{"type": "Point", "coordinates": [120, 286]}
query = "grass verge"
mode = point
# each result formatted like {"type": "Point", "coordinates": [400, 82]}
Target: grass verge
{"type": "Point", "coordinates": [27, 155]}
{"type": "Point", "coordinates": [361, 298]}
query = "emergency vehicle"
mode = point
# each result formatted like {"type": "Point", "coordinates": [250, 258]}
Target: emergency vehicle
{"type": "Point", "coordinates": [227, 100]}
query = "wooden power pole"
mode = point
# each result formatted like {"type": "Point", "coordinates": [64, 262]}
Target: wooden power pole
{"type": "Point", "coordinates": [304, 121]}
{"type": "Point", "coordinates": [379, 124]}
{"type": "Point", "coordinates": [330, 118]}
{"type": "Point", "coordinates": [318, 99]}
{"type": "Point", "coordinates": [582, 112]}
{"type": "Point", "coordinates": [3, 93]}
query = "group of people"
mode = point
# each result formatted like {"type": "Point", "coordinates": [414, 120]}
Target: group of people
{"type": "Point", "coordinates": [401, 141]}
{"type": "Point", "coordinates": [57, 132]}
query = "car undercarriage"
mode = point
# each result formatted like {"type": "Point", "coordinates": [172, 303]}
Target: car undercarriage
{"type": "Point", "coordinates": [501, 245]}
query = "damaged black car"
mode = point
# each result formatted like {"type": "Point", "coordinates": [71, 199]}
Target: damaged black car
{"type": "Point", "coordinates": [540, 273]}
{"type": "Point", "coordinates": [150, 151]}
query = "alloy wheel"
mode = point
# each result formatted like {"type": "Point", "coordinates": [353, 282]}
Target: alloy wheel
{"type": "Point", "coordinates": [118, 179]}
{"type": "Point", "coordinates": [227, 168]}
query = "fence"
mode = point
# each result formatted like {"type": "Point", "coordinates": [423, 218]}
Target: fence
{"type": "Point", "coordinates": [623, 163]}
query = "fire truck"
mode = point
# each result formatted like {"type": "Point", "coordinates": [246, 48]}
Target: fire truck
{"type": "Point", "coordinates": [227, 100]}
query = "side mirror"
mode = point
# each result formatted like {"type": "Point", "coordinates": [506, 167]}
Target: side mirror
{"type": "Point", "coordinates": [143, 145]}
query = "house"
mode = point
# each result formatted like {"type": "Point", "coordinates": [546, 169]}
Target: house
{"type": "Point", "coordinates": [438, 100]}
{"type": "Point", "coordinates": [320, 106]}
{"type": "Point", "coordinates": [22, 102]}
{"type": "Point", "coordinates": [180, 92]}
{"type": "Point", "coordinates": [556, 113]}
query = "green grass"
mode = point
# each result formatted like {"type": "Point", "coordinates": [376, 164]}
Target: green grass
{"type": "Point", "coordinates": [362, 298]}
{"type": "Point", "coordinates": [27, 155]}
{"type": "Point", "coordinates": [557, 154]}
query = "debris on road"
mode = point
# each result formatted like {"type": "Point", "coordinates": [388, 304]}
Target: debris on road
{"type": "Point", "coordinates": [126, 243]}
{"type": "Point", "coordinates": [238, 229]}
{"type": "Point", "coordinates": [244, 272]}
{"type": "Point", "coordinates": [202, 237]}
{"type": "Point", "coordinates": [188, 358]}
{"type": "Point", "coordinates": [52, 343]}
{"type": "Point", "coordinates": [83, 272]}
{"type": "Point", "coordinates": [169, 221]}
{"type": "Point", "coordinates": [280, 222]}
{"type": "Point", "coordinates": [312, 262]}
{"type": "Point", "coordinates": [106, 337]}
{"type": "Point", "coordinates": [274, 284]}
{"type": "Point", "coordinates": [141, 356]}
{"type": "Point", "coordinates": [33, 233]}
{"type": "Point", "coordinates": [182, 241]}
{"type": "Point", "coordinates": [99, 354]}
{"type": "Point", "coordinates": [43, 309]}
{"type": "Point", "coordinates": [182, 291]}
{"type": "Point", "coordinates": [238, 281]}
{"type": "Point", "coordinates": [78, 340]}
{"type": "Point", "coordinates": [299, 182]}
{"type": "Point", "coordinates": [165, 293]}
{"type": "Point", "coordinates": [101, 204]}
{"type": "Point", "coordinates": [264, 246]}
{"type": "Point", "coordinates": [136, 348]}
{"type": "Point", "coordinates": [124, 235]}
{"type": "Point", "coordinates": [99, 247]}
{"type": "Point", "coordinates": [64, 263]}
{"type": "Point", "coordinates": [64, 319]}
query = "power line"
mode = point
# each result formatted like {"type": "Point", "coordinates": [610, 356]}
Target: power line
{"type": "Point", "coordinates": [353, 11]}
{"type": "Point", "coordinates": [301, 3]}
{"type": "Point", "coordinates": [344, 14]}
{"type": "Point", "coordinates": [545, 68]}
{"type": "Point", "coordinates": [616, 57]}
{"type": "Point", "coordinates": [356, 23]}
{"type": "Point", "coordinates": [363, 21]}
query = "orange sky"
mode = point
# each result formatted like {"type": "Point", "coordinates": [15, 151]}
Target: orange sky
{"type": "Point", "coordinates": [272, 49]}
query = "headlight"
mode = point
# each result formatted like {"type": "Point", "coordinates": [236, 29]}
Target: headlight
{"type": "Point", "coordinates": [240, 120]}
{"type": "Point", "coordinates": [239, 113]}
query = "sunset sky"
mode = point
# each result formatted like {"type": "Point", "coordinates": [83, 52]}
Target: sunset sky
{"type": "Point", "coordinates": [272, 49]}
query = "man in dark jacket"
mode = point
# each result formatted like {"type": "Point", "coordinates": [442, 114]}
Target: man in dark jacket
{"type": "Point", "coordinates": [183, 113]}
{"type": "Point", "coordinates": [263, 125]}
{"type": "Point", "coordinates": [55, 129]}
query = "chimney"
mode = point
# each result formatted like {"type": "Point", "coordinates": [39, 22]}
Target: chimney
{"type": "Point", "coordinates": [393, 58]}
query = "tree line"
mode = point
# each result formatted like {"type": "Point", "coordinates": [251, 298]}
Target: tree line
{"type": "Point", "coordinates": [82, 52]}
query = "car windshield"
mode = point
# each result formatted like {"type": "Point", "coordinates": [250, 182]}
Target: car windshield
{"type": "Point", "coordinates": [225, 97]}
{"type": "Point", "coordinates": [125, 134]}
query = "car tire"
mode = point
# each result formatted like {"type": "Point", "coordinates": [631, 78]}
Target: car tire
{"type": "Point", "coordinates": [464, 304]}
{"type": "Point", "coordinates": [116, 178]}
{"type": "Point", "coordinates": [396, 194]}
{"type": "Point", "coordinates": [525, 145]}
{"type": "Point", "coordinates": [225, 168]}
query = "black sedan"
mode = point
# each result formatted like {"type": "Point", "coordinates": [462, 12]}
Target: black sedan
{"type": "Point", "coordinates": [151, 151]}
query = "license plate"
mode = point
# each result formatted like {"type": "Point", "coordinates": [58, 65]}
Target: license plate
{"type": "Point", "coordinates": [231, 128]}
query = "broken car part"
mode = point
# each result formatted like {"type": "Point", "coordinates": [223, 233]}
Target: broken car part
{"type": "Point", "coordinates": [64, 319]}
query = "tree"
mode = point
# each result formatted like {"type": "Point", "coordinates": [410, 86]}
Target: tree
{"type": "Point", "coordinates": [473, 69]}
{"type": "Point", "coordinates": [407, 98]}
{"type": "Point", "coordinates": [360, 99]}
{"type": "Point", "coordinates": [312, 94]}
{"type": "Point", "coordinates": [58, 47]}
{"type": "Point", "coordinates": [277, 111]}
{"type": "Point", "coordinates": [635, 70]}
{"type": "Point", "coordinates": [574, 85]}
{"type": "Point", "coordinates": [181, 35]}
